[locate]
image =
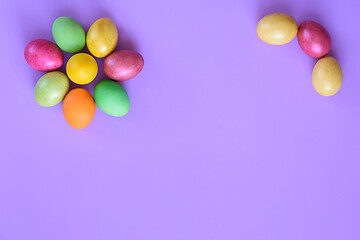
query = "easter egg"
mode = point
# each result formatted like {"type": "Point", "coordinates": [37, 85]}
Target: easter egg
{"type": "Point", "coordinates": [102, 37]}
{"type": "Point", "coordinates": [314, 39]}
{"type": "Point", "coordinates": [277, 28]}
{"type": "Point", "coordinates": [327, 76]}
{"type": "Point", "coordinates": [123, 65]}
{"type": "Point", "coordinates": [81, 68]}
{"type": "Point", "coordinates": [111, 98]}
{"type": "Point", "coordinates": [68, 34]}
{"type": "Point", "coordinates": [51, 88]}
{"type": "Point", "coordinates": [43, 55]}
{"type": "Point", "coordinates": [78, 108]}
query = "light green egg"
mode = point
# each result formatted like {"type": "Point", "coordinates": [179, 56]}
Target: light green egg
{"type": "Point", "coordinates": [112, 98]}
{"type": "Point", "coordinates": [68, 34]}
{"type": "Point", "coordinates": [51, 88]}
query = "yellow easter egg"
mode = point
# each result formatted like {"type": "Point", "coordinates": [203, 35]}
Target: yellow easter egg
{"type": "Point", "coordinates": [102, 37]}
{"type": "Point", "coordinates": [327, 76]}
{"type": "Point", "coordinates": [277, 28]}
{"type": "Point", "coordinates": [81, 68]}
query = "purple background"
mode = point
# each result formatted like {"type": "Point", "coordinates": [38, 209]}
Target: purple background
{"type": "Point", "coordinates": [225, 139]}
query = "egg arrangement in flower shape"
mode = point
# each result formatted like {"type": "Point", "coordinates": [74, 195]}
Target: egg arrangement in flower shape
{"type": "Point", "coordinates": [53, 87]}
{"type": "Point", "coordinates": [314, 40]}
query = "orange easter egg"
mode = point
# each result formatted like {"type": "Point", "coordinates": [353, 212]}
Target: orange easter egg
{"type": "Point", "coordinates": [79, 108]}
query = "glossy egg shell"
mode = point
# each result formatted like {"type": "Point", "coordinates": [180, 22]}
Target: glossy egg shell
{"type": "Point", "coordinates": [51, 88]}
{"type": "Point", "coordinates": [102, 37]}
{"type": "Point", "coordinates": [327, 76]}
{"type": "Point", "coordinates": [314, 39]}
{"type": "Point", "coordinates": [277, 28]}
{"type": "Point", "coordinates": [68, 34]}
{"type": "Point", "coordinates": [82, 68]}
{"type": "Point", "coordinates": [112, 98]}
{"type": "Point", "coordinates": [43, 55]}
{"type": "Point", "coordinates": [79, 108]}
{"type": "Point", "coordinates": [123, 65]}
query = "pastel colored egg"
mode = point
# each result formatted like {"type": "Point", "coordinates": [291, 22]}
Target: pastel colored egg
{"type": "Point", "coordinates": [81, 68]}
{"type": "Point", "coordinates": [68, 34]}
{"type": "Point", "coordinates": [51, 88]}
{"type": "Point", "coordinates": [277, 28]}
{"type": "Point", "coordinates": [43, 55]}
{"type": "Point", "coordinates": [123, 65]}
{"type": "Point", "coordinates": [102, 37]}
{"type": "Point", "coordinates": [112, 98]}
{"type": "Point", "coordinates": [314, 39]}
{"type": "Point", "coordinates": [79, 108]}
{"type": "Point", "coordinates": [327, 76]}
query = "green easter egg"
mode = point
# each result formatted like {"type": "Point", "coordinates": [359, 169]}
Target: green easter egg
{"type": "Point", "coordinates": [68, 34]}
{"type": "Point", "coordinates": [51, 88]}
{"type": "Point", "coordinates": [112, 98]}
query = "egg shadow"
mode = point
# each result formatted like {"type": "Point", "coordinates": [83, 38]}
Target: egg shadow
{"type": "Point", "coordinates": [65, 12]}
{"type": "Point", "coordinates": [35, 75]}
{"type": "Point", "coordinates": [125, 42]}
{"type": "Point", "coordinates": [333, 53]}
{"type": "Point", "coordinates": [99, 12]}
{"type": "Point", "coordinates": [310, 16]}
{"type": "Point", "coordinates": [27, 30]}
{"type": "Point", "coordinates": [28, 33]}
{"type": "Point", "coordinates": [265, 7]}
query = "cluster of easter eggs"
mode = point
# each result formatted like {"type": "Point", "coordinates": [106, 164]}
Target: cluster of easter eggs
{"type": "Point", "coordinates": [314, 40]}
{"type": "Point", "coordinates": [82, 68]}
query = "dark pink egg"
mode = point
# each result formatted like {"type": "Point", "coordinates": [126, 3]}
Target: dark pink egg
{"type": "Point", "coordinates": [314, 39]}
{"type": "Point", "coordinates": [123, 65]}
{"type": "Point", "coordinates": [43, 55]}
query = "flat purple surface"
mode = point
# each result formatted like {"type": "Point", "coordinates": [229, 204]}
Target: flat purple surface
{"type": "Point", "coordinates": [226, 138]}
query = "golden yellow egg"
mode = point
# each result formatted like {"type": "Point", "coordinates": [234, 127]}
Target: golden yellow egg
{"type": "Point", "coordinates": [327, 76]}
{"type": "Point", "coordinates": [102, 37]}
{"type": "Point", "coordinates": [81, 68]}
{"type": "Point", "coordinates": [277, 28]}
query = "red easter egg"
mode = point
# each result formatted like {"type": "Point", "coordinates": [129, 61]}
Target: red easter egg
{"type": "Point", "coordinates": [314, 39]}
{"type": "Point", "coordinates": [123, 65]}
{"type": "Point", "coordinates": [43, 55]}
